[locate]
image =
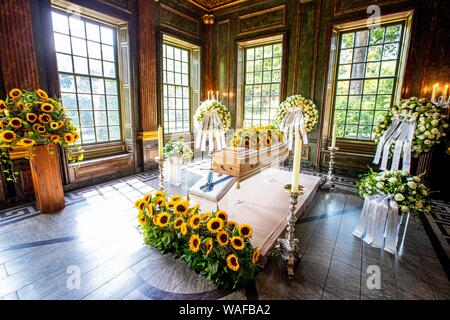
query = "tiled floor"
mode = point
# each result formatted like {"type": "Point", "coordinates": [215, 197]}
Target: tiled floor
{"type": "Point", "coordinates": [97, 235]}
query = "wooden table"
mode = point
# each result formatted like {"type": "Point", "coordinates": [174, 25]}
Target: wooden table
{"type": "Point", "coordinates": [262, 202]}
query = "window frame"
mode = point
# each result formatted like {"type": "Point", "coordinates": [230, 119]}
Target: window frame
{"type": "Point", "coordinates": [242, 45]}
{"type": "Point", "coordinates": [337, 29]}
{"type": "Point", "coordinates": [99, 23]}
{"type": "Point", "coordinates": [193, 78]}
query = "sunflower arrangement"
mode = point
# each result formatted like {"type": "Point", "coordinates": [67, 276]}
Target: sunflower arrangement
{"type": "Point", "coordinates": [431, 124]}
{"type": "Point", "coordinates": [210, 243]}
{"type": "Point", "coordinates": [219, 107]}
{"type": "Point", "coordinates": [408, 191]}
{"type": "Point", "coordinates": [309, 110]}
{"type": "Point", "coordinates": [257, 137]}
{"type": "Point", "coordinates": [28, 118]}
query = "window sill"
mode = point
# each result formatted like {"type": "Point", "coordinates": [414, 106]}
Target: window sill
{"type": "Point", "coordinates": [101, 160]}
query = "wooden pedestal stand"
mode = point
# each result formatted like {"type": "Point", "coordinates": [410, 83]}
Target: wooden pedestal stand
{"type": "Point", "coordinates": [47, 182]}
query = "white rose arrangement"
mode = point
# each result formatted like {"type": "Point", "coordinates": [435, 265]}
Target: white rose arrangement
{"type": "Point", "coordinates": [431, 124]}
{"type": "Point", "coordinates": [408, 191]}
{"type": "Point", "coordinates": [309, 110]}
{"type": "Point", "coordinates": [178, 148]}
{"type": "Point", "coordinates": [219, 107]}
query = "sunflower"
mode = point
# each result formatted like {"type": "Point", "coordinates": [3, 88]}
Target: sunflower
{"type": "Point", "coordinates": [178, 223]}
{"type": "Point", "coordinates": [55, 138]}
{"type": "Point", "coordinates": [142, 218]}
{"type": "Point", "coordinates": [245, 231]}
{"type": "Point", "coordinates": [221, 214]}
{"type": "Point", "coordinates": [26, 142]}
{"type": "Point", "coordinates": [3, 105]}
{"type": "Point", "coordinates": [184, 229]}
{"type": "Point", "coordinates": [194, 209]}
{"type": "Point", "coordinates": [40, 129]}
{"type": "Point", "coordinates": [159, 193]}
{"type": "Point", "coordinates": [181, 207]}
{"type": "Point", "coordinates": [215, 225]}
{"type": "Point", "coordinates": [171, 204]}
{"type": "Point", "coordinates": [176, 198]}
{"type": "Point", "coordinates": [155, 220]}
{"type": "Point", "coordinates": [68, 137]}
{"type": "Point", "coordinates": [222, 238]}
{"type": "Point", "coordinates": [16, 123]}
{"type": "Point", "coordinates": [160, 201]}
{"type": "Point", "coordinates": [233, 262]}
{"type": "Point", "coordinates": [238, 243]}
{"type": "Point", "coordinates": [269, 141]}
{"type": "Point", "coordinates": [194, 243]}
{"type": "Point", "coordinates": [15, 93]}
{"type": "Point", "coordinates": [232, 224]}
{"type": "Point", "coordinates": [141, 205]}
{"type": "Point", "coordinates": [45, 118]}
{"type": "Point", "coordinates": [137, 203]}
{"type": "Point", "coordinates": [255, 256]}
{"type": "Point", "coordinates": [60, 123]}
{"type": "Point", "coordinates": [42, 94]}
{"type": "Point", "coordinates": [76, 136]}
{"type": "Point", "coordinates": [206, 215]}
{"type": "Point", "coordinates": [194, 222]}
{"type": "Point", "coordinates": [31, 117]}
{"type": "Point", "coordinates": [147, 198]}
{"type": "Point", "coordinates": [163, 219]}
{"type": "Point", "coordinates": [208, 245]}
{"type": "Point", "coordinates": [8, 136]}
{"type": "Point", "coordinates": [150, 210]}
{"type": "Point", "coordinates": [47, 107]}
{"type": "Point", "coordinates": [54, 125]}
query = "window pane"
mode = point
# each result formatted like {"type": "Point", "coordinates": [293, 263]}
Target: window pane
{"type": "Point", "coordinates": [176, 97]}
{"type": "Point", "coordinates": [86, 54]}
{"type": "Point", "coordinates": [369, 58]}
{"type": "Point", "coordinates": [64, 62]}
{"type": "Point", "coordinates": [262, 84]}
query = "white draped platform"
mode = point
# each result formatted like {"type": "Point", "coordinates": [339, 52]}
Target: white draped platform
{"type": "Point", "coordinates": [262, 202]}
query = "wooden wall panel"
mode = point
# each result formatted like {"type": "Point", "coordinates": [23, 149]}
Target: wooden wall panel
{"type": "Point", "coordinates": [223, 50]}
{"type": "Point", "coordinates": [179, 22]}
{"type": "Point", "coordinates": [262, 20]}
{"type": "Point", "coordinates": [17, 50]}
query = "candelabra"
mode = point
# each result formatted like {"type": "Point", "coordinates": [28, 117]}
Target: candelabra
{"type": "Point", "coordinates": [288, 247]}
{"type": "Point", "coordinates": [442, 101]}
{"type": "Point", "coordinates": [160, 161]}
{"type": "Point", "coordinates": [328, 180]}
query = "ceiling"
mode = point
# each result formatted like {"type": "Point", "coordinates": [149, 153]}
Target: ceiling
{"type": "Point", "coordinates": [214, 4]}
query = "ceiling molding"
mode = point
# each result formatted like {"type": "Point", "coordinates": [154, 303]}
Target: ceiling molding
{"type": "Point", "coordinates": [213, 5]}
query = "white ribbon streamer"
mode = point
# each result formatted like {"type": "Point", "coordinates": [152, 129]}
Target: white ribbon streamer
{"type": "Point", "coordinates": [292, 124]}
{"type": "Point", "coordinates": [378, 224]}
{"type": "Point", "coordinates": [211, 130]}
{"type": "Point", "coordinates": [401, 132]}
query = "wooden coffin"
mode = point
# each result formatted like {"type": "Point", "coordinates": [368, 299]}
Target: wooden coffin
{"type": "Point", "coordinates": [244, 163]}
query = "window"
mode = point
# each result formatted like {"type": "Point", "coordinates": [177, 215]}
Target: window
{"type": "Point", "coordinates": [177, 88]}
{"type": "Point", "coordinates": [367, 76]}
{"type": "Point", "coordinates": [262, 83]}
{"type": "Point", "coordinates": [86, 52]}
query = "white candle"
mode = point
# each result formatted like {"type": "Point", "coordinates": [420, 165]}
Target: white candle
{"type": "Point", "coordinates": [445, 91]}
{"type": "Point", "coordinates": [217, 95]}
{"type": "Point", "coordinates": [160, 142]}
{"type": "Point", "coordinates": [433, 94]}
{"type": "Point", "coordinates": [333, 141]}
{"type": "Point", "coordinates": [297, 163]}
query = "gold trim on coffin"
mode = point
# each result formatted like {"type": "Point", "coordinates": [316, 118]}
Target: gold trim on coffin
{"type": "Point", "coordinates": [148, 135]}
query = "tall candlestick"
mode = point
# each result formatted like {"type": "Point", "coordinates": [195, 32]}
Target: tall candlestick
{"type": "Point", "coordinates": [333, 141]}
{"type": "Point", "coordinates": [444, 94]}
{"type": "Point", "coordinates": [160, 142]}
{"type": "Point", "coordinates": [433, 94]}
{"type": "Point", "coordinates": [297, 162]}
{"type": "Point", "coordinates": [217, 95]}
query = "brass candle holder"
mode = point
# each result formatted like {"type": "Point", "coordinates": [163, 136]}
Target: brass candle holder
{"type": "Point", "coordinates": [288, 247]}
{"type": "Point", "coordinates": [160, 161]}
{"type": "Point", "coordinates": [328, 181]}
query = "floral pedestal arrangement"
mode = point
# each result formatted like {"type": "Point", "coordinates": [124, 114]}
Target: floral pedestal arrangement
{"type": "Point", "coordinates": [175, 152]}
{"type": "Point", "coordinates": [209, 242]}
{"type": "Point", "coordinates": [172, 168]}
{"type": "Point", "coordinates": [33, 121]}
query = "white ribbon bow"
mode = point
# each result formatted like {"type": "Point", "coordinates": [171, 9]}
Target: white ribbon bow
{"type": "Point", "coordinates": [210, 129]}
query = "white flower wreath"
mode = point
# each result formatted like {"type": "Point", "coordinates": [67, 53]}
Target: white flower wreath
{"type": "Point", "coordinates": [308, 108]}
{"type": "Point", "coordinates": [430, 128]}
{"type": "Point", "coordinates": [219, 107]}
